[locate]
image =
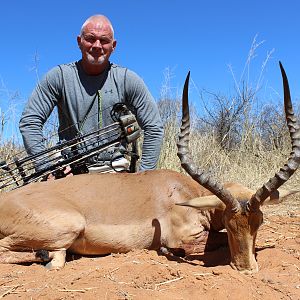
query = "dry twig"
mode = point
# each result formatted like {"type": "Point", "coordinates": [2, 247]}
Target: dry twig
{"type": "Point", "coordinates": [10, 291]}
{"type": "Point", "coordinates": [168, 281]}
{"type": "Point", "coordinates": [78, 291]}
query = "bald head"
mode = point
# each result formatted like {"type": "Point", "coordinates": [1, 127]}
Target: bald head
{"type": "Point", "coordinates": [101, 21]}
{"type": "Point", "coordinates": [96, 42]}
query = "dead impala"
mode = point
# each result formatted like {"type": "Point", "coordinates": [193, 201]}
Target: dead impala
{"type": "Point", "coordinates": [104, 213]}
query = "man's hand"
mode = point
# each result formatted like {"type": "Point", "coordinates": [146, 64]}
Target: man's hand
{"type": "Point", "coordinates": [66, 173]}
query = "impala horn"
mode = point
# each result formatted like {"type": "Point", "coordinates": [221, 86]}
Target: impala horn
{"type": "Point", "coordinates": [294, 160]}
{"type": "Point", "coordinates": [189, 166]}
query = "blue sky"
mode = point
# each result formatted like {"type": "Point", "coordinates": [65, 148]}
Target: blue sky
{"type": "Point", "coordinates": [201, 36]}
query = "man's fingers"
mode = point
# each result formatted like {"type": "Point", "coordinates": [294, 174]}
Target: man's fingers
{"type": "Point", "coordinates": [50, 177]}
{"type": "Point", "coordinates": [68, 171]}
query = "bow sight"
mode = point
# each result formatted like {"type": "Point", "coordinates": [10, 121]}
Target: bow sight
{"type": "Point", "coordinates": [74, 153]}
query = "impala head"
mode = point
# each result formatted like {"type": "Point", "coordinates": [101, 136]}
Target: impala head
{"type": "Point", "coordinates": [242, 215]}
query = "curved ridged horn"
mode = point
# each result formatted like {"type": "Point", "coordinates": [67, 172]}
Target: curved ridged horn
{"type": "Point", "coordinates": [189, 166]}
{"type": "Point", "coordinates": [294, 160]}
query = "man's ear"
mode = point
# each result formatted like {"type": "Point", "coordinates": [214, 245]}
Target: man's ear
{"type": "Point", "coordinates": [114, 45]}
{"type": "Point", "coordinates": [79, 41]}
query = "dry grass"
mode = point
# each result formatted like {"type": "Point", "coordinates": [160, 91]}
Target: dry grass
{"type": "Point", "coordinates": [250, 166]}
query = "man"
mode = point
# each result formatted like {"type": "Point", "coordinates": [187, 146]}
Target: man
{"type": "Point", "coordinates": [85, 92]}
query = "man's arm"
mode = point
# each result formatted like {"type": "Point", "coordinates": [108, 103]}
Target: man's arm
{"type": "Point", "coordinates": [37, 110]}
{"type": "Point", "coordinates": [148, 117]}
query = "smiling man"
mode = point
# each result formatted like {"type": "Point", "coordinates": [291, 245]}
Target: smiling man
{"type": "Point", "coordinates": [85, 92]}
{"type": "Point", "coordinates": [96, 42]}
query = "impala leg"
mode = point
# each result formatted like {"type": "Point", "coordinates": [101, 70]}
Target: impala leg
{"type": "Point", "coordinates": [9, 255]}
{"type": "Point", "coordinates": [13, 257]}
{"type": "Point", "coordinates": [58, 259]}
{"type": "Point", "coordinates": [42, 240]}
{"type": "Point", "coordinates": [55, 259]}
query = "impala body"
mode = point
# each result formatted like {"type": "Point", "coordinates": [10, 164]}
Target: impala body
{"type": "Point", "coordinates": [95, 214]}
{"type": "Point", "coordinates": [104, 213]}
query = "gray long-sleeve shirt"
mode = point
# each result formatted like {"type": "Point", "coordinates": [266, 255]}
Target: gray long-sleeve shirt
{"type": "Point", "coordinates": [69, 88]}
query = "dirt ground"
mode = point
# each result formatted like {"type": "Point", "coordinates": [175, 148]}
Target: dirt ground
{"type": "Point", "coordinates": [145, 274]}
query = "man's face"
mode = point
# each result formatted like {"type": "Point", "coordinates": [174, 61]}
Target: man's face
{"type": "Point", "coordinates": [96, 43]}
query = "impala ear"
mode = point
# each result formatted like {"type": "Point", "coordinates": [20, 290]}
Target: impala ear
{"type": "Point", "coordinates": [279, 195]}
{"type": "Point", "coordinates": [203, 203]}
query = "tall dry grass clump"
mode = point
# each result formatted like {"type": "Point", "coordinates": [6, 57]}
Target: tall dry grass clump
{"type": "Point", "coordinates": [249, 166]}
{"type": "Point", "coordinates": [10, 141]}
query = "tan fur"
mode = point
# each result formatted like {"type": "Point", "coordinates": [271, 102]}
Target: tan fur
{"type": "Point", "coordinates": [104, 213]}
